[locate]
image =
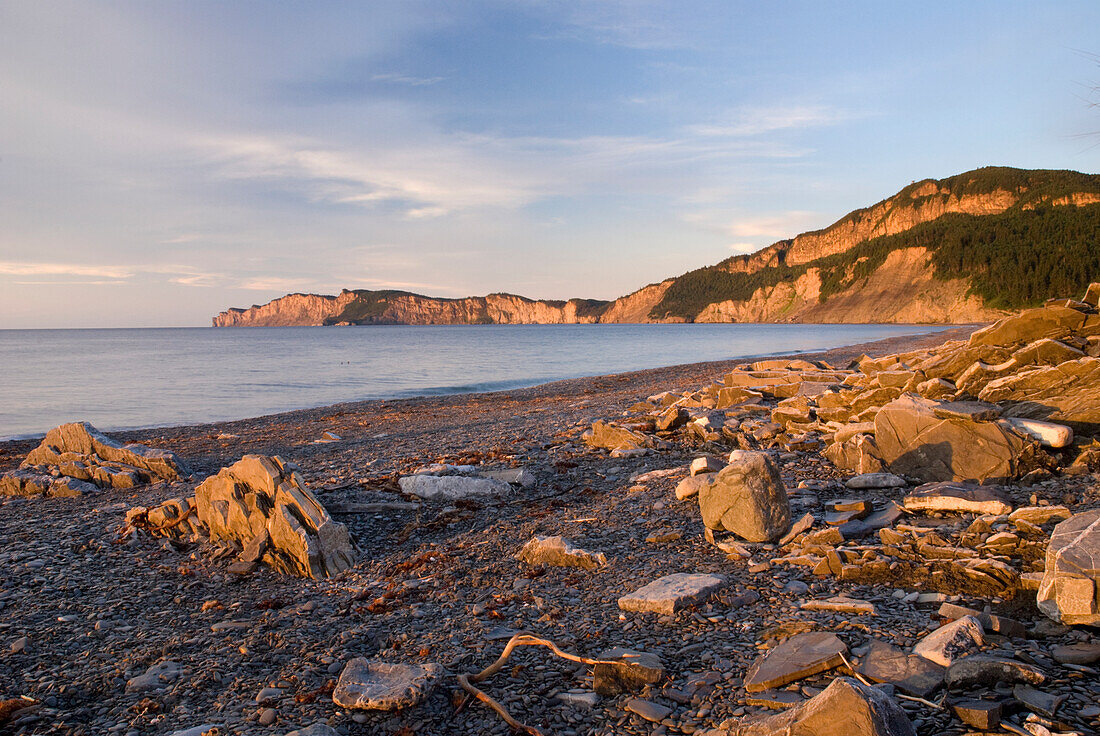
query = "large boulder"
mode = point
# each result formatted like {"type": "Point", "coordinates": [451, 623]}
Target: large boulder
{"type": "Point", "coordinates": [845, 708]}
{"type": "Point", "coordinates": [260, 506]}
{"type": "Point", "coordinates": [1069, 591]}
{"type": "Point", "coordinates": [80, 442]}
{"type": "Point", "coordinates": [1067, 393]}
{"type": "Point", "coordinates": [747, 498]}
{"type": "Point", "coordinates": [913, 440]}
{"type": "Point", "coordinates": [1030, 325]}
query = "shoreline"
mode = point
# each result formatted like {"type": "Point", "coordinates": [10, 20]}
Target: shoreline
{"type": "Point", "coordinates": [833, 355]}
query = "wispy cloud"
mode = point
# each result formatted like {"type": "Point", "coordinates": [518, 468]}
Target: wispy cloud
{"type": "Point", "coordinates": [17, 268]}
{"type": "Point", "coordinates": [407, 79]}
{"type": "Point", "coordinates": [757, 121]}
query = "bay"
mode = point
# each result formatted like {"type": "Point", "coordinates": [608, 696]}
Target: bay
{"type": "Point", "coordinates": [130, 378]}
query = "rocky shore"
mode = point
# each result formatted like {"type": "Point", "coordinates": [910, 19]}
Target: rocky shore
{"type": "Point", "coordinates": [724, 548]}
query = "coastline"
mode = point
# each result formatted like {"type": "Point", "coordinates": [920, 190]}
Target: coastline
{"type": "Point", "coordinates": [295, 426]}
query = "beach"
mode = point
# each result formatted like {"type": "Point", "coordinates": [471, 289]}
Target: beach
{"type": "Point", "coordinates": [436, 582]}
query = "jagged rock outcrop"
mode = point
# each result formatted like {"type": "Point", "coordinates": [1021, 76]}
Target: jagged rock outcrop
{"type": "Point", "coordinates": [77, 458]}
{"type": "Point", "coordinates": [261, 507]}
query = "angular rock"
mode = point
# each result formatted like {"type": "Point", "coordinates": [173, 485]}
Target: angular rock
{"type": "Point", "coordinates": [81, 442]}
{"type": "Point", "coordinates": [671, 593]}
{"type": "Point", "coordinates": [980, 714]}
{"type": "Point", "coordinates": [452, 487]}
{"type": "Point", "coordinates": [1092, 295]}
{"type": "Point", "coordinates": [689, 487]}
{"type": "Point", "coordinates": [706, 464]}
{"type": "Point", "coordinates": [841, 604]}
{"type": "Point", "coordinates": [845, 708]}
{"type": "Point", "coordinates": [610, 437]}
{"type": "Point", "coordinates": [159, 676]}
{"type": "Point", "coordinates": [1028, 326]}
{"type": "Point", "coordinates": [1069, 591]}
{"type": "Point", "coordinates": [521, 477]}
{"type": "Point", "coordinates": [747, 498]}
{"type": "Point", "coordinates": [625, 670]}
{"type": "Point", "coordinates": [1083, 653]}
{"type": "Point", "coordinates": [1046, 352]}
{"type": "Point", "coordinates": [973, 411]}
{"type": "Point", "coordinates": [672, 418]}
{"type": "Point", "coordinates": [951, 641]}
{"type": "Point", "coordinates": [958, 498]}
{"type": "Point", "coordinates": [373, 685]}
{"type": "Point", "coordinates": [647, 709]}
{"type": "Point", "coordinates": [800, 656]}
{"type": "Point", "coordinates": [988, 670]}
{"type": "Point", "coordinates": [910, 673]}
{"type": "Point", "coordinates": [30, 483]}
{"type": "Point", "coordinates": [559, 552]}
{"type": "Point", "coordinates": [858, 453]}
{"type": "Point", "coordinates": [1037, 701]}
{"type": "Point", "coordinates": [1039, 515]}
{"type": "Point", "coordinates": [914, 441]}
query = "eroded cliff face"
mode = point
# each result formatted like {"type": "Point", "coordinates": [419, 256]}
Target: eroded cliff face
{"type": "Point", "coordinates": [288, 311]}
{"type": "Point", "coordinates": [902, 290]}
{"type": "Point", "coordinates": [492, 309]}
{"type": "Point", "coordinates": [636, 307]}
{"type": "Point", "coordinates": [892, 216]}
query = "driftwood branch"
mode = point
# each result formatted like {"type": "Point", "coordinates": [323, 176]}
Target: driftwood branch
{"type": "Point", "coordinates": [520, 639]}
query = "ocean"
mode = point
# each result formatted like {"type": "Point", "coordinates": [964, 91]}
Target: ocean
{"type": "Point", "coordinates": [132, 378]}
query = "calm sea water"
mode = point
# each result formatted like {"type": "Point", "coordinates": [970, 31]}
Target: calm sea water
{"type": "Point", "coordinates": [128, 378]}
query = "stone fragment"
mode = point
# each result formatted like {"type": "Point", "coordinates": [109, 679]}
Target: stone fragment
{"type": "Point", "coordinates": [936, 388]}
{"type": "Point", "coordinates": [521, 477]}
{"type": "Point", "coordinates": [1068, 593]}
{"type": "Point", "coordinates": [774, 699]}
{"type": "Point", "coordinates": [1092, 295]}
{"type": "Point", "coordinates": [858, 453]}
{"type": "Point", "coordinates": [981, 714]}
{"type": "Point", "coordinates": [990, 622]}
{"type": "Point", "coordinates": [373, 685]}
{"type": "Point", "coordinates": [958, 498]}
{"type": "Point", "coordinates": [951, 641]}
{"type": "Point", "coordinates": [579, 700]}
{"type": "Point", "coordinates": [559, 552]}
{"type": "Point", "coordinates": [25, 482]}
{"type": "Point", "coordinates": [800, 656]}
{"type": "Point", "coordinates": [689, 487]}
{"type": "Point", "coordinates": [910, 673]}
{"type": "Point", "coordinates": [988, 670]}
{"type": "Point", "coordinates": [452, 487]}
{"type": "Point", "coordinates": [671, 418]}
{"type": "Point", "coordinates": [974, 411]}
{"type": "Point", "coordinates": [841, 605]}
{"type": "Point", "coordinates": [647, 709]}
{"type": "Point", "coordinates": [875, 480]}
{"type": "Point", "coordinates": [159, 676]}
{"type": "Point", "coordinates": [1048, 434]}
{"type": "Point", "coordinates": [1046, 352]}
{"type": "Point", "coordinates": [1037, 701]}
{"type": "Point", "coordinates": [845, 708]}
{"type": "Point", "coordinates": [669, 594]}
{"type": "Point", "coordinates": [804, 523]}
{"type": "Point", "coordinates": [914, 441]}
{"type": "Point", "coordinates": [1082, 653]}
{"type": "Point", "coordinates": [610, 437]}
{"type": "Point", "coordinates": [747, 498]}
{"type": "Point", "coordinates": [706, 464]}
{"type": "Point", "coordinates": [1039, 515]}
{"type": "Point", "coordinates": [625, 670]}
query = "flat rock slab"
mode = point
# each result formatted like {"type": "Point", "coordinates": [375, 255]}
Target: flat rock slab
{"type": "Point", "coordinates": [845, 708]}
{"type": "Point", "coordinates": [909, 673]}
{"type": "Point", "coordinates": [625, 670]}
{"type": "Point", "coordinates": [373, 685]}
{"type": "Point", "coordinates": [1082, 653]}
{"type": "Point", "coordinates": [648, 710]}
{"type": "Point", "coordinates": [671, 593]}
{"type": "Point", "coordinates": [800, 656]}
{"type": "Point", "coordinates": [452, 487]}
{"type": "Point", "coordinates": [876, 480]}
{"type": "Point", "coordinates": [959, 498]}
{"type": "Point", "coordinates": [841, 605]}
{"type": "Point", "coordinates": [988, 670]}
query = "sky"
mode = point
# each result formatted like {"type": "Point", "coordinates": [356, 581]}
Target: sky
{"type": "Point", "coordinates": [162, 161]}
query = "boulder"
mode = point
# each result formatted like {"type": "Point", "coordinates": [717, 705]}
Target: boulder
{"type": "Point", "coordinates": [559, 552]}
{"type": "Point", "coordinates": [81, 442]}
{"type": "Point", "coordinates": [1028, 326]}
{"type": "Point", "coordinates": [747, 498]}
{"type": "Point", "coordinates": [913, 440]}
{"type": "Point", "coordinates": [24, 482]}
{"type": "Point", "coordinates": [909, 673]}
{"type": "Point", "coordinates": [958, 498]}
{"type": "Point", "coordinates": [625, 670]}
{"type": "Point", "coordinates": [373, 685]}
{"type": "Point", "coordinates": [259, 505]}
{"type": "Point", "coordinates": [858, 453]}
{"type": "Point", "coordinates": [1068, 393]}
{"type": "Point", "coordinates": [846, 707]}
{"type": "Point", "coordinates": [451, 487]}
{"type": "Point", "coordinates": [1046, 352]}
{"type": "Point", "coordinates": [1092, 295]}
{"type": "Point", "coordinates": [1069, 591]}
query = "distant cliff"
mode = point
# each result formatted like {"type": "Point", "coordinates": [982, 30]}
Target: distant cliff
{"type": "Point", "coordinates": [962, 249]}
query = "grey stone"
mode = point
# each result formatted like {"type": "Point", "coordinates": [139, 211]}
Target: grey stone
{"type": "Point", "coordinates": [909, 673]}
{"type": "Point", "coordinates": [959, 498]}
{"type": "Point", "coordinates": [451, 487]}
{"type": "Point", "coordinates": [317, 729]}
{"type": "Point", "coordinates": [159, 676]}
{"type": "Point", "coordinates": [374, 685]}
{"type": "Point", "coordinates": [747, 498]}
{"type": "Point", "coordinates": [1037, 701]}
{"type": "Point", "coordinates": [875, 480]}
{"type": "Point", "coordinates": [981, 714]}
{"type": "Point", "coordinates": [671, 593]}
{"type": "Point", "coordinates": [988, 670]}
{"type": "Point", "coordinates": [648, 710]}
{"type": "Point", "coordinates": [625, 670]}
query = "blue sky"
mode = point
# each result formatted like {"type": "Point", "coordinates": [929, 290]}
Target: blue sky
{"type": "Point", "coordinates": [160, 161]}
